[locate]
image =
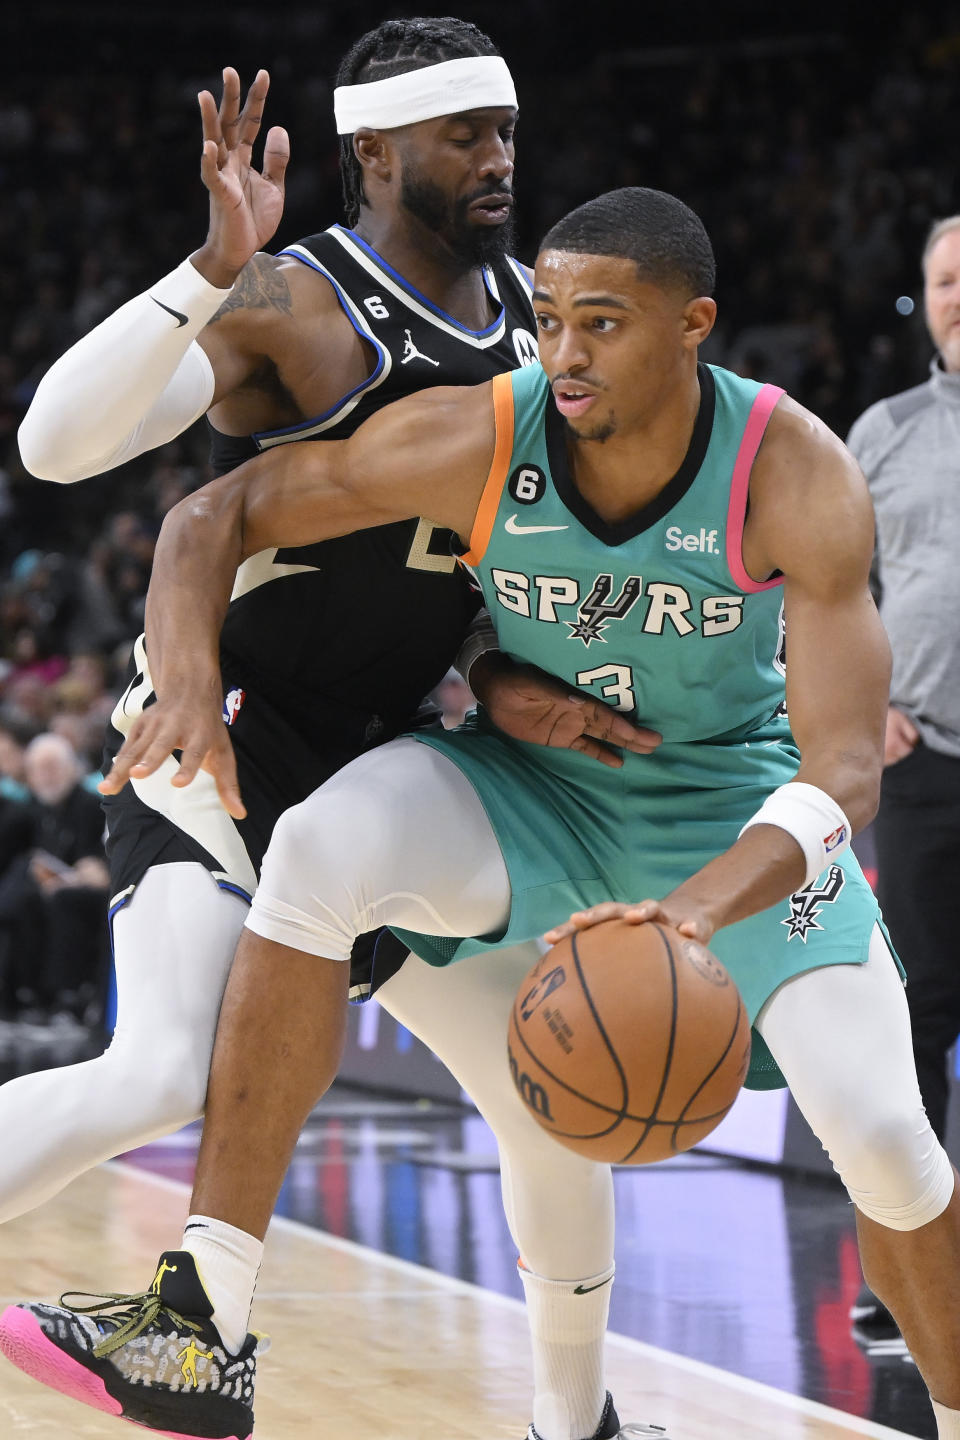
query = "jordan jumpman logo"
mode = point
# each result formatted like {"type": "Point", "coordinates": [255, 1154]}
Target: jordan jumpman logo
{"type": "Point", "coordinates": [410, 352]}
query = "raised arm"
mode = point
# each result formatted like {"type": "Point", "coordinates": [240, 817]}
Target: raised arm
{"type": "Point", "coordinates": [151, 368]}
{"type": "Point", "coordinates": [811, 519]}
{"type": "Point", "coordinates": [426, 455]}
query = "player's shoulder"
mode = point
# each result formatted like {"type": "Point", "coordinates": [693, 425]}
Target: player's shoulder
{"type": "Point", "coordinates": [796, 438]}
{"type": "Point", "coordinates": [805, 483]}
{"type": "Point", "coordinates": [524, 273]}
{"type": "Point", "coordinates": [280, 312]}
{"type": "Point", "coordinates": [273, 289]}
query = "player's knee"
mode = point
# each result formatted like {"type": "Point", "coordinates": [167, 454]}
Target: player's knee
{"type": "Point", "coordinates": [894, 1169]}
{"type": "Point", "coordinates": [316, 876]}
{"type": "Point", "coordinates": [179, 1098]}
{"type": "Point", "coordinates": [333, 833]}
{"type": "Point", "coordinates": [167, 1083]}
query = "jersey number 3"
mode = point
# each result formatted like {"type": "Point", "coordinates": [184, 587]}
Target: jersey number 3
{"type": "Point", "coordinates": [619, 687]}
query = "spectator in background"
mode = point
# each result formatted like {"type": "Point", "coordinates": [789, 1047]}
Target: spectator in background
{"type": "Point", "coordinates": [909, 448]}
{"type": "Point", "coordinates": [16, 831]}
{"type": "Point", "coordinates": [53, 934]}
{"type": "Point", "coordinates": [16, 732]}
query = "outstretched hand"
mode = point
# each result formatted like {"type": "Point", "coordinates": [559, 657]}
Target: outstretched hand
{"type": "Point", "coordinates": [198, 731]}
{"type": "Point", "coordinates": [528, 704]}
{"type": "Point", "coordinates": [245, 205]}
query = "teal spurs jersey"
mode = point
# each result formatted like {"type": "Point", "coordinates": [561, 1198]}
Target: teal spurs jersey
{"type": "Point", "coordinates": [654, 614]}
{"type": "Point", "coordinates": [657, 615]}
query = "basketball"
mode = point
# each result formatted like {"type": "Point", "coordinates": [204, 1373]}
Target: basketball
{"type": "Point", "coordinates": [628, 1043]}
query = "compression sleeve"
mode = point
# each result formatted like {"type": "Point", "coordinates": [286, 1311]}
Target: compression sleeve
{"type": "Point", "coordinates": [479, 640]}
{"type": "Point", "coordinates": [136, 381]}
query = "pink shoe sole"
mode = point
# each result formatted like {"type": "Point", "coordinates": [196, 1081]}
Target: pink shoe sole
{"type": "Point", "coordinates": [25, 1345]}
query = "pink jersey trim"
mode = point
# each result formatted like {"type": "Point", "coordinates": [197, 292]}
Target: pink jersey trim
{"type": "Point", "coordinates": [762, 409]}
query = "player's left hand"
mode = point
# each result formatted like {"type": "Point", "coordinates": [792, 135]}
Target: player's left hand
{"type": "Point", "coordinates": [686, 918]}
{"type": "Point", "coordinates": [189, 720]}
{"type": "Point", "coordinates": [528, 704]}
{"type": "Point", "coordinates": [245, 204]}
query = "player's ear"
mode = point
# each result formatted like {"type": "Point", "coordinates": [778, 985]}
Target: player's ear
{"type": "Point", "coordinates": [699, 316]}
{"type": "Point", "coordinates": [373, 151]}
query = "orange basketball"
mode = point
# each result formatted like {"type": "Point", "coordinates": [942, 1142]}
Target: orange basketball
{"type": "Point", "coordinates": [628, 1043]}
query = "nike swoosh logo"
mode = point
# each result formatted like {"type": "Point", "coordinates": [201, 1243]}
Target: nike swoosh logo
{"type": "Point", "coordinates": [180, 319]}
{"type": "Point", "coordinates": [585, 1289]}
{"type": "Point", "coordinates": [512, 528]}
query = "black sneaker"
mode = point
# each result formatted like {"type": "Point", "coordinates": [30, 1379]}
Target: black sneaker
{"type": "Point", "coordinates": [154, 1358]}
{"type": "Point", "coordinates": [610, 1428]}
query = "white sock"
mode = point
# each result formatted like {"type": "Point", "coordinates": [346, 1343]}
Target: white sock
{"type": "Point", "coordinates": [228, 1262]}
{"type": "Point", "coordinates": [948, 1422]}
{"type": "Point", "coordinates": [568, 1322]}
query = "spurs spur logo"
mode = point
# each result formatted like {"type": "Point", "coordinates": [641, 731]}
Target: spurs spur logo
{"type": "Point", "coordinates": [806, 905]}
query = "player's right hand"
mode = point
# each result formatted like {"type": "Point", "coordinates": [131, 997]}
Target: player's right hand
{"type": "Point", "coordinates": [245, 205]}
{"type": "Point", "coordinates": [687, 919]}
{"type": "Point", "coordinates": [528, 704]}
{"type": "Point", "coordinates": [197, 731]}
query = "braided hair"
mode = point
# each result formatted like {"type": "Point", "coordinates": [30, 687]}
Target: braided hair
{"type": "Point", "coordinates": [394, 48]}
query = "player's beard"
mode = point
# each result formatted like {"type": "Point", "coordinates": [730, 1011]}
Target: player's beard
{"type": "Point", "coordinates": [471, 244]}
{"type": "Point", "coordinates": [599, 435]}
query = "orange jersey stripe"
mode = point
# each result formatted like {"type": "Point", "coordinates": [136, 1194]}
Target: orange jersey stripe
{"type": "Point", "coordinates": [497, 478]}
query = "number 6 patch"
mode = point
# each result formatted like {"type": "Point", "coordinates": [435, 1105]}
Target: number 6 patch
{"type": "Point", "coordinates": [527, 484]}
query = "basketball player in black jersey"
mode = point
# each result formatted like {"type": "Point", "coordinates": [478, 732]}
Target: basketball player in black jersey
{"type": "Point", "coordinates": [326, 650]}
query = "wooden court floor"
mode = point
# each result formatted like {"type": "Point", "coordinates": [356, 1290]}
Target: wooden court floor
{"type": "Point", "coordinates": [365, 1346]}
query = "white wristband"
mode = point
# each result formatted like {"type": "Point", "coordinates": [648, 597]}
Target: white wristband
{"type": "Point", "coordinates": [812, 817]}
{"type": "Point", "coordinates": [480, 639]}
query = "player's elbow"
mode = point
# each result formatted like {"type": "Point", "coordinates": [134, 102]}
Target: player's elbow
{"type": "Point", "coordinates": [218, 503]}
{"type": "Point", "coordinates": [858, 790]}
{"type": "Point", "coordinates": [865, 805]}
{"type": "Point", "coordinates": [850, 775]}
{"type": "Point", "coordinates": [46, 454]}
{"type": "Point", "coordinates": [208, 521]}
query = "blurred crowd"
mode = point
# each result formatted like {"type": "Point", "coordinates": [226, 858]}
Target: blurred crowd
{"type": "Point", "coordinates": [817, 158]}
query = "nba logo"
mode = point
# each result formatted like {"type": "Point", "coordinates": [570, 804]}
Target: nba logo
{"type": "Point", "coordinates": [232, 704]}
{"type": "Point", "coordinates": [835, 838]}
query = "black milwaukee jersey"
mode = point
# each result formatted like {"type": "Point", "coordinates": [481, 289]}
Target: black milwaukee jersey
{"type": "Point", "coordinates": [347, 636]}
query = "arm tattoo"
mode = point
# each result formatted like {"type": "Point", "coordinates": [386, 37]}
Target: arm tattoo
{"type": "Point", "coordinates": [259, 286]}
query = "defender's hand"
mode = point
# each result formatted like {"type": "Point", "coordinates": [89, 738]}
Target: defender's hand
{"type": "Point", "coordinates": [685, 918]}
{"type": "Point", "coordinates": [245, 206]}
{"type": "Point", "coordinates": [197, 731]}
{"type": "Point", "coordinates": [528, 704]}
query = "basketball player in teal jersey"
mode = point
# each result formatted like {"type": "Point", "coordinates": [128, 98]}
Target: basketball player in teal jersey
{"type": "Point", "coordinates": [326, 650]}
{"type": "Point", "coordinates": [627, 501]}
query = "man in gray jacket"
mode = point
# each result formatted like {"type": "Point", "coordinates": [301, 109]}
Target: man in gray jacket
{"type": "Point", "coordinates": [909, 448]}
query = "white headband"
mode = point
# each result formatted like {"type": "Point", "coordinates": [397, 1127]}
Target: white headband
{"type": "Point", "coordinates": [443, 89]}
